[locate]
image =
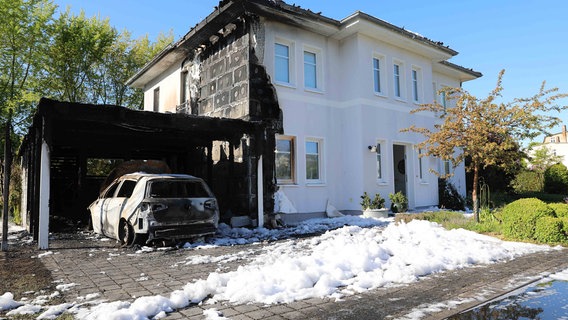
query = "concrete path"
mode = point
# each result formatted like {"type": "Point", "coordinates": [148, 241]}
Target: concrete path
{"type": "Point", "coordinates": [121, 274]}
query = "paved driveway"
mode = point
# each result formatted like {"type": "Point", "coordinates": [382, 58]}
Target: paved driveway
{"type": "Point", "coordinates": [95, 267]}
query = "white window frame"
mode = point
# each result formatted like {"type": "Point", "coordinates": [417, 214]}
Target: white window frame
{"type": "Point", "coordinates": [293, 160]}
{"type": "Point", "coordinates": [379, 74]}
{"type": "Point", "coordinates": [446, 167]}
{"type": "Point", "coordinates": [380, 161]}
{"type": "Point", "coordinates": [399, 80]}
{"type": "Point", "coordinates": [421, 166]}
{"type": "Point", "coordinates": [440, 97]}
{"type": "Point", "coordinates": [416, 76]}
{"type": "Point", "coordinates": [291, 62]}
{"type": "Point", "coordinates": [318, 68]}
{"type": "Point", "coordinates": [156, 99]}
{"type": "Point", "coordinates": [320, 146]}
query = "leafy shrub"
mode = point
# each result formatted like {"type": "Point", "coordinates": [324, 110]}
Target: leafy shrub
{"type": "Point", "coordinates": [556, 179]}
{"type": "Point", "coordinates": [378, 202]}
{"type": "Point", "coordinates": [449, 196]}
{"type": "Point", "coordinates": [560, 209]}
{"type": "Point", "coordinates": [519, 217]}
{"type": "Point", "coordinates": [399, 202]}
{"type": "Point", "coordinates": [549, 230]}
{"type": "Point", "coordinates": [527, 181]}
{"type": "Point", "coordinates": [564, 225]}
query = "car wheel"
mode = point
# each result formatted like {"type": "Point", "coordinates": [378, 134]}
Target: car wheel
{"type": "Point", "coordinates": [126, 234]}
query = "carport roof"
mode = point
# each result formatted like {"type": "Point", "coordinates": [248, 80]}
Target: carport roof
{"type": "Point", "coordinates": [110, 129]}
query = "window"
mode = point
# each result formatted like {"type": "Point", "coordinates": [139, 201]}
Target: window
{"type": "Point", "coordinates": [285, 160]}
{"type": "Point", "coordinates": [446, 167]}
{"type": "Point", "coordinates": [379, 161]}
{"type": "Point", "coordinates": [443, 100]}
{"type": "Point", "coordinates": [415, 85]}
{"type": "Point", "coordinates": [377, 75]}
{"type": "Point", "coordinates": [397, 92]}
{"type": "Point", "coordinates": [157, 99]}
{"type": "Point", "coordinates": [310, 70]}
{"type": "Point", "coordinates": [313, 160]}
{"type": "Point", "coordinates": [282, 62]}
{"type": "Point", "coordinates": [420, 165]}
{"type": "Point", "coordinates": [552, 139]}
{"type": "Point", "coordinates": [184, 92]}
{"type": "Point", "coordinates": [110, 191]}
{"type": "Point", "coordinates": [126, 189]}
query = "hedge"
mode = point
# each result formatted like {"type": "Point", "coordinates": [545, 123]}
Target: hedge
{"type": "Point", "coordinates": [561, 209]}
{"type": "Point", "coordinates": [549, 230]}
{"type": "Point", "coordinates": [520, 217]}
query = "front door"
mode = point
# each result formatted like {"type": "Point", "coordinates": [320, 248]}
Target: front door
{"type": "Point", "coordinates": [399, 162]}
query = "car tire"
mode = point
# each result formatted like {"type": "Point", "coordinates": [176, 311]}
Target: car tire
{"type": "Point", "coordinates": [126, 234]}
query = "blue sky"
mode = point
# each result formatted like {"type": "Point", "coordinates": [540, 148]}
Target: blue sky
{"type": "Point", "coordinates": [526, 38]}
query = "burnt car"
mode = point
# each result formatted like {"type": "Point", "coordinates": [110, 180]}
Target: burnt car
{"type": "Point", "coordinates": [143, 208]}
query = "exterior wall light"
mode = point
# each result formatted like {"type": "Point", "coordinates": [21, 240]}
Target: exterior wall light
{"type": "Point", "coordinates": [373, 149]}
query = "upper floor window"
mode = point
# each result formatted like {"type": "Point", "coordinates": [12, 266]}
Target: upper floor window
{"type": "Point", "coordinates": [443, 101]}
{"type": "Point", "coordinates": [310, 70]}
{"type": "Point", "coordinates": [397, 82]}
{"type": "Point", "coordinates": [157, 99]}
{"type": "Point", "coordinates": [285, 166]}
{"type": "Point", "coordinates": [184, 92]}
{"type": "Point", "coordinates": [377, 75]}
{"type": "Point", "coordinates": [313, 160]}
{"type": "Point", "coordinates": [282, 62]}
{"type": "Point", "coordinates": [415, 85]}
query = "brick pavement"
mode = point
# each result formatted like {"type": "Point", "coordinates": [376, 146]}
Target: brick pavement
{"type": "Point", "coordinates": [121, 274]}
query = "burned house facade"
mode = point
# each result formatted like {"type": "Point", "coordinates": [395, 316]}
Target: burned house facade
{"type": "Point", "coordinates": [345, 88]}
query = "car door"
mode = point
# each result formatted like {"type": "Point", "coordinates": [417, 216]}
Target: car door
{"type": "Point", "coordinates": [98, 207]}
{"type": "Point", "coordinates": [113, 208]}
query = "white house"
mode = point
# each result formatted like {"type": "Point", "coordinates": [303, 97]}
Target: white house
{"type": "Point", "coordinates": [345, 87]}
{"type": "Point", "coordinates": [558, 144]}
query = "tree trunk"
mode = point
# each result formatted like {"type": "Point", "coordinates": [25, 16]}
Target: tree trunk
{"type": "Point", "coordinates": [474, 193]}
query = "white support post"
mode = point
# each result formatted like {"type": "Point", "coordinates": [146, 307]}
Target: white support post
{"type": "Point", "coordinates": [260, 193]}
{"type": "Point", "coordinates": [44, 185]}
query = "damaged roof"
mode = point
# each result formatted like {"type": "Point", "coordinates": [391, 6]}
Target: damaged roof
{"type": "Point", "coordinates": [229, 10]}
{"type": "Point", "coordinates": [110, 129]}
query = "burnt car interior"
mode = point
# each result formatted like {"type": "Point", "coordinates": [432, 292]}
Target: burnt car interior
{"type": "Point", "coordinates": [177, 189]}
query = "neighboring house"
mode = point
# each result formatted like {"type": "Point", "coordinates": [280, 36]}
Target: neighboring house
{"type": "Point", "coordinates": [558, 144]}
{"type": "Point", "coordinates": [345, 88]}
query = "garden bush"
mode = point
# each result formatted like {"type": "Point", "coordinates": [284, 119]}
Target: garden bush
{"type": "Point", "coordinates": [560, 209]}
{"type": "Point", "coordinates": [519, 217]}
{"type": "Point", "coordinates": [527, 181]}
{"type": "Point", "coordinates": [449, 196]}
{"type": "Point", "coordinates": [556, 179]}
{"type": "Point", "coordinates": [549, 230]}
{"type": "Point", "coordinates": [564, 225]}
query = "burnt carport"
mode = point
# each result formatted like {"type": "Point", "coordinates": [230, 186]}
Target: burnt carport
{"type": "Point", "coordinates": [227, 153]}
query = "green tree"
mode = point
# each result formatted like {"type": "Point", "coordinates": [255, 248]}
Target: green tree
{"type": "Point", "coordinates": [24, 33]}
{"type": "Point", "coordinates": [486, 130]}
{"type": "Point", "coordinates": [125, 57]}
{"type": "Point", "coordinates": [76, 51]}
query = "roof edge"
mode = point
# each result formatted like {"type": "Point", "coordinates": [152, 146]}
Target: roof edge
{"type": "Point", "coordinates": [407, 33]}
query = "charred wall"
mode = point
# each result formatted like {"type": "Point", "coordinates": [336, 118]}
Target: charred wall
{"type": "Point", "coordinates": [233, 83]}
